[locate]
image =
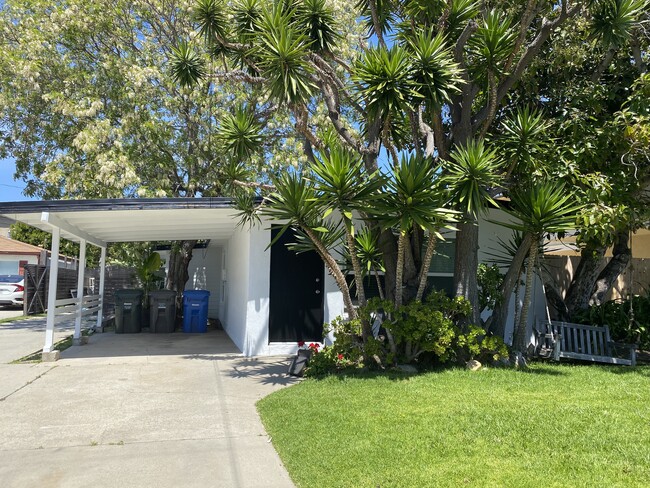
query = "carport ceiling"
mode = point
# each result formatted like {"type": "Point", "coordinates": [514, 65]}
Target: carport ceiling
{"type": "Point", "coordinates": [129, 220]}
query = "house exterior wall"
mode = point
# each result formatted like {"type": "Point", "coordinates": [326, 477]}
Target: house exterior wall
{"type": "Point", "coordinates": [489, 235]}
{"type": "Point", "coordinates": [257, 310]}
{"type": "Point", "coordinates": [234, 310]}
{"type": "Point", "coordinates": [204, 273]}
{"type": "Point", "coordinates": [9, 263]}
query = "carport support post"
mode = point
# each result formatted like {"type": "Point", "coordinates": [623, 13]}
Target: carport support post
{"type": "Point", "coordinates": [76, 339]}
{"type": "Point", "coordinates": [48, 353]}
{"type": "Point", "coordinates": [102, 278]}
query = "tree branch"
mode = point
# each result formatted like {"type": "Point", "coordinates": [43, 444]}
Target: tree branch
{"type": "Point", "coordinates": [427, 133]}
{"type": "Point", "coordinates": [327, 73]}
{"type": "Point", "coordinates": [548, 26]}
{"type": "Point", "coordinates": [333, 108]}
{"type": "Point", "coordinates": [372, 5]}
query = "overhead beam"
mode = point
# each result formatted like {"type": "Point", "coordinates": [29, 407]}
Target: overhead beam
{"type": "Point", "coordinates": [54, 221]}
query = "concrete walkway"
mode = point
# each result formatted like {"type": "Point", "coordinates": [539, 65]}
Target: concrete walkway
{"type": "Point", "coordinates": [141, 410]}
{"type": "Point", "coordinates": [23, 337]}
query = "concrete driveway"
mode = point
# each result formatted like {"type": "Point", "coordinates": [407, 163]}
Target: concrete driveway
{"type": "Point", "coordinates": [141, 410]}
{"type": "Point", "coordinates": [10, 312]}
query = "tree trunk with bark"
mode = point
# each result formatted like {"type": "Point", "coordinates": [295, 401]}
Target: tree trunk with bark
{"type": "Point", "coordinates": [510, 280]}
{"type": "Point", "coordinates": [466, 266]}
{"type": "Point", "coordinates": [426, 262]}
{"type": "Point", "coordinates": [584, 279]}
{"type": "Point", "coordinates": [621, 255]}
{"type": "Point", "coordinates": [521, 338]}
{"type": "Point", "coordinates": [177, 275]}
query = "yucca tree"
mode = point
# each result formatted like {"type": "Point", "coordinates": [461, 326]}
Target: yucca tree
{"type": "Point", "coordinates": [411, 202]}
{"type": "Point", "coordinates": [471, 171]}
{"type": "Point", "coordinates": [543, 207]}
{"type": "Point", "coordinates": [342, 186]}
{"type": "Point", "coordinates": [370, 256]}
{"type": "Point", "coordinates": [433, 83]}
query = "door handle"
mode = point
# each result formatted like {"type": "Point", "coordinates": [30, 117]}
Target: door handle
{"type": "Point", "coordinates": [317, 292]}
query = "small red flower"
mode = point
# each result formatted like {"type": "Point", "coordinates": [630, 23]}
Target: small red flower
{"type": "Point", "coordinates": [301, 343]}
{"type": "Point", "coordinates": [340, 356]}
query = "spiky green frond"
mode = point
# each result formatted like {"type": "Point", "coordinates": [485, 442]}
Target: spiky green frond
{"type": "Point", "coordinates": [294, 199]}
{"type": "Point", "coordinates": [342, 183]}
{"type": "Point", "coordinates": [544, 206]}
{"type": "Point", "coordinates": [435, 74]}
{"type": "Point", "coordinates": [247, 15]}
{"type": "Point", "coordinates": [493, 42]}
{"type": "Point", "coordinates": [316, 19]}
{"type": "Point", "coordinates": [241, 134]}
{"type": "Point", "coordinates": [331, 234]}
{"type": "Point", "coordinates": [283, 52]}
{"type": "Point", "coordinates": [187, 66]}
{"type": "Point", "coordinates": [524, 138]}
{"type": "Point", "coordinates": [461, 12]}
{"type": "Point", "coordinates": [412, 197]}
{"type": "Point", "coordinates": [384, 81]}
{"type": "Point", "coordinates": [386, 14]}
{"type": "Point", "coordinates": [471, 171]}
{"type": "Point", "coordinates": [212, 19]}
{"type": "Point", "coordinates": [614, 20]}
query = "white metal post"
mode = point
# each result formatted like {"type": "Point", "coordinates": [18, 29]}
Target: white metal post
{"type": "Point", "coordinates": [102, 275]}
{"type": "Point", "coordinates": [51, 293]}
{"type": "Point", "coordinates": [81, 264]}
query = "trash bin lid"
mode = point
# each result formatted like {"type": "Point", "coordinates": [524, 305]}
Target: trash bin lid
{"type": "Point", "coordinates": [196, 294]}
{"type": "Point", "coordinates": [129, 293]}
{"type": "Point", "coordinates": [162, 294]}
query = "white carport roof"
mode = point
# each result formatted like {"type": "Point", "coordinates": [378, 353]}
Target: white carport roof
{"type": "Point", "coordinates": [129, 220]}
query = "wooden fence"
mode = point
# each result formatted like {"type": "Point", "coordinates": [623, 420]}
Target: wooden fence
{"type": "Point", "coordinates": [37, 285]}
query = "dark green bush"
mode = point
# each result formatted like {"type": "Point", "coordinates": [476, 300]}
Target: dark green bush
{"type": "Point", "coordinates": [616, 314]}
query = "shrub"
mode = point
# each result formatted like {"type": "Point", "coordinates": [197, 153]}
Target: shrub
{"type": "Point", "coordinates": [345, 354]}
{"type": "Point", "coordinates": [616, 315]}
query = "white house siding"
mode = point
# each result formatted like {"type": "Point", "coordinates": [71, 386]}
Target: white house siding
{"type": "Point", "coordinates": [257, 307]}
{"type": "Point", "coordinates": [248, 290]}
{"type": "Point", "coordinates": [204, 273]}
{"type": "Point", "coordinates": [488, 244]}
{"type": "Point", "coordinates": [9, 263]}
{"type": "Point", "coordinates": [236, 286]}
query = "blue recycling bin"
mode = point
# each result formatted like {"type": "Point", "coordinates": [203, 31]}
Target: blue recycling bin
{"type": "Point", "coordinates": [195, 310]}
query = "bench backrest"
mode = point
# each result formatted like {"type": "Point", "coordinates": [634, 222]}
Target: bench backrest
{"type": "Point", "coordinates": [584, 339]}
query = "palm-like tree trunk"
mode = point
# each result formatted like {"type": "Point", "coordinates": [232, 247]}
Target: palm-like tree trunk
{"type": "Point", "coordinates": [335, 271]}
{"type": "Point", "coordinates": [399, 275]}
{"type": "Point", "coordinates": [426, 262]}
{"type": "Point", "coordinates": [356, 266]}
{"type": "Point", "coordinates": [521, 340]}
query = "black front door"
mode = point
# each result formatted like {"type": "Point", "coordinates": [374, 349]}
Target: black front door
{"type": "Point", "coordinates": [296, 296]}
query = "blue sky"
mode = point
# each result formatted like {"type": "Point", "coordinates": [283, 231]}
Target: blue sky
{"type": "Point", "coordinates": [10, 190]}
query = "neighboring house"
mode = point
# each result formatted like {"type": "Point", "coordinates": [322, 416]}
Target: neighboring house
{"type": "Point", "coordinates": [14, 255]}
{"type": "Point", "coordinates": [564, 256]}
{"type": "Point", "coordinates": [267, 297]}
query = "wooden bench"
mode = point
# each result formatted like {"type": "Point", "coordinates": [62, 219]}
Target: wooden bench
{"type": "Point", "coordinates": [583, 342]}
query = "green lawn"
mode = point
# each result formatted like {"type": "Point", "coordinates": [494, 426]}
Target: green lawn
{"type": "Point", "coordinates": [570, 426]}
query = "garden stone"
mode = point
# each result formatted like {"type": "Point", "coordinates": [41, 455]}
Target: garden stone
{"type": "Point", "coordinates": [407, 368]}
{"type": "Point", "coordinates": [473, 365]}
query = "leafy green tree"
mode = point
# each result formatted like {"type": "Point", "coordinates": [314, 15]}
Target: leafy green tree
{"type": "Point", "coordinates": [88, 108]}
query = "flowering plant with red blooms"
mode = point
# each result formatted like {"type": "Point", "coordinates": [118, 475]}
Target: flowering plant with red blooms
{"type": "Point", "coordinates": [313, 346]}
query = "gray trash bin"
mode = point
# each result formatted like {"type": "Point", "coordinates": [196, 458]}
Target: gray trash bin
{"type": "Point", "coordinates": [128, 311]}
{"type": "Point", "coordinates": [162, 311]}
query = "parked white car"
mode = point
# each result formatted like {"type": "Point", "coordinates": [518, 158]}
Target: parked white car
{"type": "Point", "coordinates": [12, 289]}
